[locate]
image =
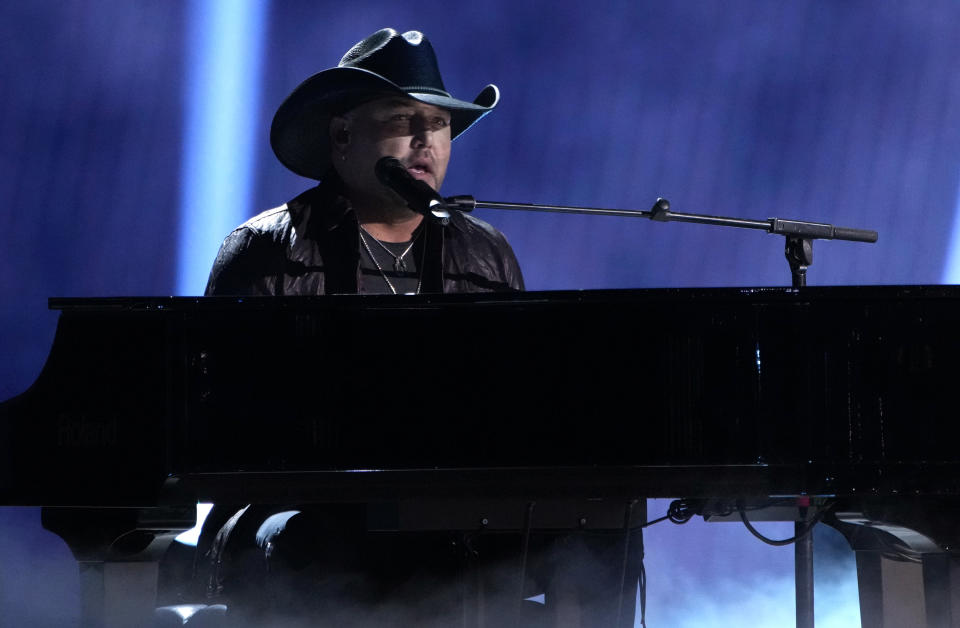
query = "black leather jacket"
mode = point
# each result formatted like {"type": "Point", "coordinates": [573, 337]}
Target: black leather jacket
{"type": "Point", "coordinates": [311, 245]}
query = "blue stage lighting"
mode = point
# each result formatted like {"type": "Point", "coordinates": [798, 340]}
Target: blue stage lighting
{"type": "Point", "coordinates": [951, 268]}
{"type": "Point", "coordinates": [225, 42]}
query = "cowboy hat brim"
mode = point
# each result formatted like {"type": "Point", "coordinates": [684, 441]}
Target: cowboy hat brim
{"type": "Point", "coordinates": [300, 132]}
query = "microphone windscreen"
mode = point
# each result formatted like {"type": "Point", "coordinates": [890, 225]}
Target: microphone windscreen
{"type": "Point", "coordinates": [387, 169]}
{"type": "Point", "coordinates": [420, 197]}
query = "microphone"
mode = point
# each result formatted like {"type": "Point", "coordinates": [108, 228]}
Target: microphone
{"type": "Point", "coordinates": [419, 196]}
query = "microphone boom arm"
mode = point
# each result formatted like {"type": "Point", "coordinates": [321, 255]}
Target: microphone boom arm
{"type": "Point", "coordinates": [799, 233]}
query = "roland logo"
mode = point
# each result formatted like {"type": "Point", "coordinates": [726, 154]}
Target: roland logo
{"type": "Point", "coordinates": [86, 432]}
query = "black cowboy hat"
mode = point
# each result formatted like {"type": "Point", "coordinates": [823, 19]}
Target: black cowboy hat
{"type": "Point", "coordinates": [382, 63]}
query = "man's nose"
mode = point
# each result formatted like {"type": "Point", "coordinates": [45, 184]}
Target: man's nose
{"type": "Point", "coordinates": [422, 133]}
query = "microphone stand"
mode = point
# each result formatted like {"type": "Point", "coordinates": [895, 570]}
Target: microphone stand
{"type": "Point", "coordinates": [799, 234]}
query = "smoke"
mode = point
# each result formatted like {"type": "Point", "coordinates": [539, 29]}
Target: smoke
{"type": "Point", "coordinates": [571, 579]}
{"type": "Point", "coordinates": [423, 600]}
{"type": "Point", "coordinates": [699, 574]}
{"type": "Point", "coordinates": [39, 581]}
{"type": "Point", "coordinates": [713, 574]}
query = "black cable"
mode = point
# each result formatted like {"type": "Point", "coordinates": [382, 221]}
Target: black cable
{"type": "Point", "coordinates": [643, 585]}
{"type": "Point", "coordinates": [527, 525]}
{"type": "Point", "coordinates": [627, 533]}
{"type": "Point", "coordinates": [653, 521]}
{"type": "Point", "coordinates": [781, 542]}
{"type": "Point", "coordinates": [682, 510]}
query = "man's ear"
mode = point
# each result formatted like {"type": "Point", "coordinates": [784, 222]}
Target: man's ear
{"type": "Point", "coordinates": [339, 133]}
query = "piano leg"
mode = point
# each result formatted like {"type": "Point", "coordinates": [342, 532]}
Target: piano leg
{"type": "Point", "coordinates": [907, 570]}
{"type": "Point", "coordinates": [118, 551]}
{"type": "Point", "coordinates": [941, 585]}
{"type": "Point", "coordinates": [905, 593]}
{"type": "Point", "coordinates": [116, 595]}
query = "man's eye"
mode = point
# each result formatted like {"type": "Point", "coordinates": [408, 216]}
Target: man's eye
{"type": "Point", "coordinates": [441, 123]}
{"type": "Point", "coordinates": [400, 117]}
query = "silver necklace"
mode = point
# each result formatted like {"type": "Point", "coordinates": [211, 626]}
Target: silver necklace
{"type": "Point", "coordinates": [398, 263]}
{"type": "Point", "coordinates": [399, 260]}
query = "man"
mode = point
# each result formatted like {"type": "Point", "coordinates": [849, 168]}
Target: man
{"type": "Point", "coordinates": [351, 233]}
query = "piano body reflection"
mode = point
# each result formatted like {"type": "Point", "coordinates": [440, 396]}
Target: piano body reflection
{"type": "Point", "coordinates": [845, 395]}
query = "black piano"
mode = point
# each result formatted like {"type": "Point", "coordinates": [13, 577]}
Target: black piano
{"type": "Point", "coordinates": [840, 400]}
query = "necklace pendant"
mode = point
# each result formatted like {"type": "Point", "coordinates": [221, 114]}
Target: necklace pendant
{"type": "Point", "coordinates": [399, 264]}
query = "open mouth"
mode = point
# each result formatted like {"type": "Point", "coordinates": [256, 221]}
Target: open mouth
{"type": "Point", "coordinates": [419, 168]}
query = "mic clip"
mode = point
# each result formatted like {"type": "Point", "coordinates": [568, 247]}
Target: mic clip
{"type": "Point", "coordinates": [439, 210]}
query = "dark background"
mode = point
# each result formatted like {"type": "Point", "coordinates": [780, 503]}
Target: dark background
{"type": "Point", "coordinates": [115, 181]}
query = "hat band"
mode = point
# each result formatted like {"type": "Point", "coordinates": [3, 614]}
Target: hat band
{"type": "Point", "coordinates": [423, 89]}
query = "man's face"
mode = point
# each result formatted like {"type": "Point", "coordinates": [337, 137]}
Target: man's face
{"type": "Point", "coordinates": [416, 133]}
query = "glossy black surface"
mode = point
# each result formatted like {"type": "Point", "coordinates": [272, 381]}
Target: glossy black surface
{"type": "Point", "coordinates": [846, 390]}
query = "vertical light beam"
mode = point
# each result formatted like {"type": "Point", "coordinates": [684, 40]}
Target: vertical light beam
{"type": "Point", "coordinates": [223, 61]}
{"type": "Point", "coordinates": [951, 268]}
